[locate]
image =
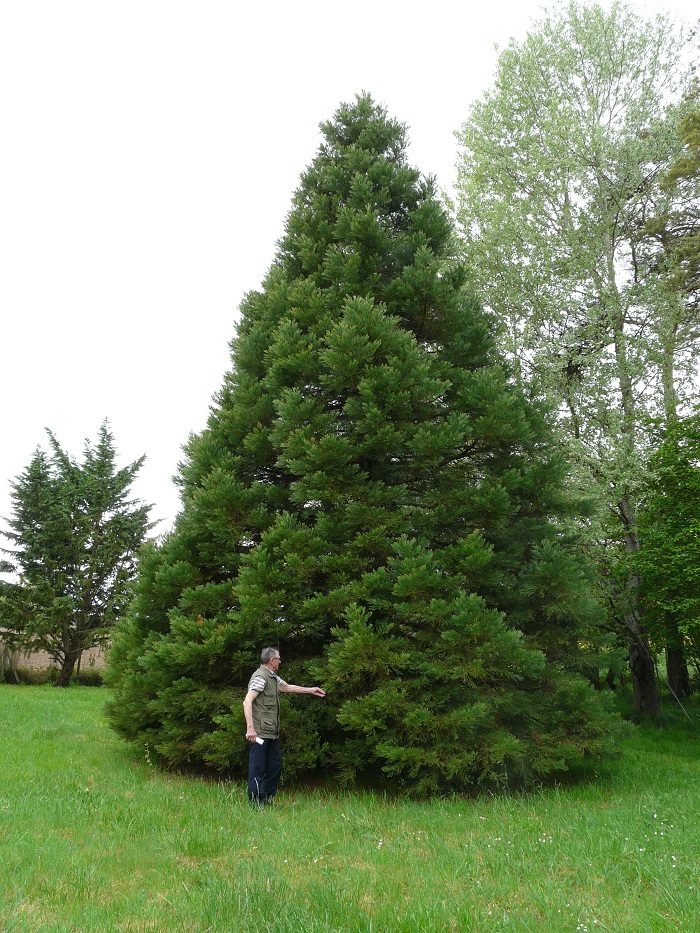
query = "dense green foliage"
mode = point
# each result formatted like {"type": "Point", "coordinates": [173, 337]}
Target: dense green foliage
{"type": "Point", "coordinates": [76, 535]}
{"type": "Point", "coordinates": [373, 496]}
{"type": "Point", "coordinates": [669, 529]}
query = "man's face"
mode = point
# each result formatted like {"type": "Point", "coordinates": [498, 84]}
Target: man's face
{"type": "Point", "coordinates": [275, 663]}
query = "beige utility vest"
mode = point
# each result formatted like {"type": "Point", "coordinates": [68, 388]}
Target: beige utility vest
{"type": "Point", "coordinates": [266, 706]}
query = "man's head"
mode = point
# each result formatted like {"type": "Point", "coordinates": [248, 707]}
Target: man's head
{"type": "Point", "coordinates": [270, 657]}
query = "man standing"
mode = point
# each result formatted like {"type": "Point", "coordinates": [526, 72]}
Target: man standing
{"type": "Point", "coordinates": [261, 707]}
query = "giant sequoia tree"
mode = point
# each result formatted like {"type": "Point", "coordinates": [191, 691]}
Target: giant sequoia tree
{"type": "Point", "coordinates": [373, 496]}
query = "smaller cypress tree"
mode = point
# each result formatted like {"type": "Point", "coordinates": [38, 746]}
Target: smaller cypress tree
{"type": "Point", "coordinates": [76, 535]}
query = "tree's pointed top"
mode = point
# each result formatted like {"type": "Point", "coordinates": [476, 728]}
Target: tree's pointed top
{"type": "Point", "coordinates": [365, 124]}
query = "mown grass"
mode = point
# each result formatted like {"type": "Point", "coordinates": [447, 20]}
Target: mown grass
{"type": "Point", "coordinates": [93, 838]}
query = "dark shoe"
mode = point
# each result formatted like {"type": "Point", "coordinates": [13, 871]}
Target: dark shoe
{"type": "Point", "coordinates": [259, 800]}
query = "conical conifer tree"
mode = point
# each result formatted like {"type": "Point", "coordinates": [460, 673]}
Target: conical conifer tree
{"type": "Point", "coordinates": [374, 497]}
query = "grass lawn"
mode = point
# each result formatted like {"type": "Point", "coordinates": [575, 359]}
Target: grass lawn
{"type": "Point", "coordinates": [93, 838]}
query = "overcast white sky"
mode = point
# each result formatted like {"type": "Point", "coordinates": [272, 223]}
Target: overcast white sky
{"type": "Point", "coordinates": [149, 153]}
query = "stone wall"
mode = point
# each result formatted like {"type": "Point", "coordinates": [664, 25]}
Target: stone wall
{"type": "Point", "coordinates": [93, 659]}
{"type": "Point", "coordinates": [40, 660]}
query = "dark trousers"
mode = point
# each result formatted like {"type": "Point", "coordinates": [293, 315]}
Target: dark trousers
{"type": "Point", "coordinates": [264, 769]}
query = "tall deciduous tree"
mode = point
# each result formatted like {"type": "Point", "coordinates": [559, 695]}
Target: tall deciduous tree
{"type": "Point", "coordinates": [561, 165]}
{"type": "Point", "coordinates": [76, 535]}
{"type": "Point", "coordinates": [672, 250]}
{"type": "Point", "coordinates": [372, 496]}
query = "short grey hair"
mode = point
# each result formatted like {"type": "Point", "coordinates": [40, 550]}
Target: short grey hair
{"type": "Point", "coordinates": [268, 654]}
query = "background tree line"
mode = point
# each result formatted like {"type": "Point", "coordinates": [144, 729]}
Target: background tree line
{"type": "Point", "coordinates": [578, 203]}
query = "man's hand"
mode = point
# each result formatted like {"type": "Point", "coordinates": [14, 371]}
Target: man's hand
{"type": "Point", "coordinates": [317, 692]}
{"type": "Point", "coordinates": [251, 734]}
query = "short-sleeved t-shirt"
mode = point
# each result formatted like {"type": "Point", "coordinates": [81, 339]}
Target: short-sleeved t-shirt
{"type": "Point", "coordinates": [257, 682]}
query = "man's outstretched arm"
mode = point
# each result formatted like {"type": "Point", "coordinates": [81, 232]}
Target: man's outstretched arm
{"type": "Point", "coordinates": [292, 688]}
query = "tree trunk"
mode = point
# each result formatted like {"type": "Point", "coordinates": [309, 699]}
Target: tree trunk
{"type": "Point", "coordinates": [677, 673]}
{"type": "Point", "coordinates": [70, 659]}
{"type": "Point", "coordinates": [646, 692]}
{"type": "Point", "coordinates": [7, 661]}
{"type": "Point", "coordinates": [676, 664]}
{"type": "Point", "coordinates": [668, 376]}
{"type": "Point", "coordinates": [647, 701]}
